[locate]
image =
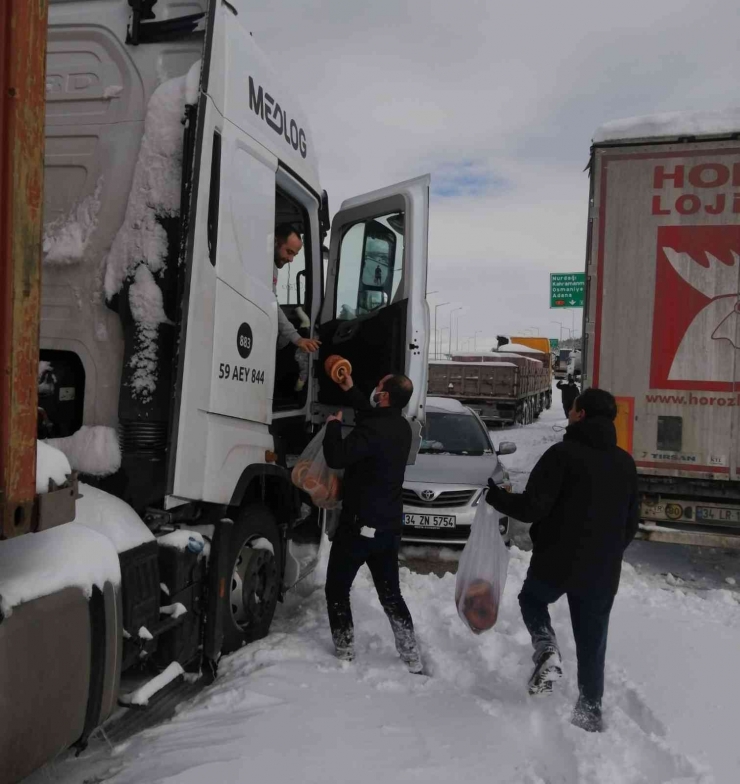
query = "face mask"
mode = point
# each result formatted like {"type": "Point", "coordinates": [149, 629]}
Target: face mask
{"type": "Point", "coordinates": [373, 399]}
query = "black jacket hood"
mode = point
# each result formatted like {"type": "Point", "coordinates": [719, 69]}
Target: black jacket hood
{"type": "Point", "coordinates": [597, 432]}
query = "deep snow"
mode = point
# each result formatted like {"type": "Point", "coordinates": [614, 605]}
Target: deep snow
{"type": "Point", "coordinates": [285, 710]}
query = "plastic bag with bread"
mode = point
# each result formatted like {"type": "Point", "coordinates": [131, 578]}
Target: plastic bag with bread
{"type": "Point", "coordinates": [481, 574]}
{"type": "Point", "coordinates": [312, 475]}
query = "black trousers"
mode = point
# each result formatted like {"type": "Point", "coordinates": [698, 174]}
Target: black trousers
{"type": "Point", "coordinates": [349, 551]}
{"type": "Point", "coordinates": [589, 615]}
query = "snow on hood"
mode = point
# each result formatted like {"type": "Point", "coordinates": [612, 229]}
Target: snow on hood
{"type": "Point", "coordinates": [91, 450]}
{"type": "Point", "coordinates": [453, 469]}
{"type": "Point", "coordinates": [111, 517]}
{"type": "Point", "coordinates": [670, 124]}
{"type": "Point", "coordinates": [70, 555]}
{"type": "Point", "coordinates": [52, 464]}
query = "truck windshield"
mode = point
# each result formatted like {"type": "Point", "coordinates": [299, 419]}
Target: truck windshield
{"type": "Point", "coordinates": [454, 434]}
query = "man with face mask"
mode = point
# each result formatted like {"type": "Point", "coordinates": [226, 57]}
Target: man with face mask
{"type": "Point", "coordinates": [373, 457]}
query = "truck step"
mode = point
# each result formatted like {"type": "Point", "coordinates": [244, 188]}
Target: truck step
{"type": "Point", "coordinates": [126, 722]}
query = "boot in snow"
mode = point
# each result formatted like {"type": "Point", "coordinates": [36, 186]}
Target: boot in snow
{"type": "Point", "coordinates": [415, 666]}
{"type": "Point", "coordinates": [344, 644]}
{"type": "Point", "coordinates": [587, 716]}
{"type": "Point", "coordinates": [548, 669]}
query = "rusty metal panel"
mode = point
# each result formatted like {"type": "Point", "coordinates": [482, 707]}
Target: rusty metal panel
{"type": "Point", "coordinates": [663, 310]}
{"type": "Point", "coordinates": [22, 93]}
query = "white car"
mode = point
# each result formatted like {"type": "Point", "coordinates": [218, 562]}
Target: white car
{"type": "Point", "coordinates": [442, 490]}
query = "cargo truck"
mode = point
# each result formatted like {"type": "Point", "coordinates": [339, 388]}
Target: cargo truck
{"type": "Point", "coordinates": [170, 153]}
{"type": "Point", "coordinates": [540, 344]}
{"type": "Point", "coordinates": [501, 387]}
{"type": "Point", "coordinates": [662, 317]}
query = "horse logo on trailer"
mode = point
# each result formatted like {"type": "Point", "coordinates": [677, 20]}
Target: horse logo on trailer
{"type": "Point", "coordinates": [696, 322]}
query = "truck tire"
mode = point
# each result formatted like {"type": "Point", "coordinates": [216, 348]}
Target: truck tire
{"type": "Point", "coordinates": [256, 575]}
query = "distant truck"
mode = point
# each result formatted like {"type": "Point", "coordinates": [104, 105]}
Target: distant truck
{"type": "Point", "coordinates": [538, 343]}
{"type": "Point", "coordinates": [501, 387]}
{"type": "Point", "coordinates": [561, 362]}
{"type": "Point", "coordinates": [662, 316]}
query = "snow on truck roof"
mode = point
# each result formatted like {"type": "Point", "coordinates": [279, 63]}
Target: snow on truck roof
{"type": "Point", "coordinates": [519, 348]}
{"type": "Point", "coordinates": [670, 124]}
{"type": "Point", "coordinates": [474, 364]}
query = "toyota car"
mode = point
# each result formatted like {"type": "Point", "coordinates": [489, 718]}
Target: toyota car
{"type": "Point", "coordinates": [442, 490]}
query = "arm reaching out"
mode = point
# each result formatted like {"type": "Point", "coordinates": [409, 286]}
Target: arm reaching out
{"type": "Point", "coordinates": [542, 491]}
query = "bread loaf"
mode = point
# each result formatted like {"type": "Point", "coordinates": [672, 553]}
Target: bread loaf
{"type": "Point", "coordinates": [479, 605]}
{"type": "Point", "coordinates": [337, 368]}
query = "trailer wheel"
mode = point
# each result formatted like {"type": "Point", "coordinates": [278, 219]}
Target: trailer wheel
{"type": "Point", "coordinates": [548, 400]}
{"type": "Point", "coordinates": [519, 414]}
{"type": "Point", "coordinates": [256, 574]}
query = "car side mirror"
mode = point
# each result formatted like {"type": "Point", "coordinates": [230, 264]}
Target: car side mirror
{"type": "Point", "coordinates": [506, 448]}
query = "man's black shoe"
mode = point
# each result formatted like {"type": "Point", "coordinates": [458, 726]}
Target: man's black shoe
{"type": "Point", "coordinates": [587, 716]}
{"type": "Point", "coordinates": [548, 669]}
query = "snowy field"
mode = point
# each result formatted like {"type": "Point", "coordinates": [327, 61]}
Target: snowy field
{"type": "Point", "coordinates": [285, 710]}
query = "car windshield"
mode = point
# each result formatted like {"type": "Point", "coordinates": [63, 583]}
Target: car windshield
{"type": "Point", "coordinates": [454, 434]}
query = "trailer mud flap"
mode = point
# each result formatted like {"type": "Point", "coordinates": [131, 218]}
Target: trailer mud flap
{"type": "Point", "coordinates": [218, 591]}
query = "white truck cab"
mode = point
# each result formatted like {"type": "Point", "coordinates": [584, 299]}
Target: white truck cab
{"type": "Point", "coordinates": [173, 150]}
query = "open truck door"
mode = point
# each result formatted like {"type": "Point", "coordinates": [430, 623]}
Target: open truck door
{"type": "Point", "coordinates": [375, 312]}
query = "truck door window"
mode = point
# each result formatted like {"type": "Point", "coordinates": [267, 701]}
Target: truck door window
{"type": "Point", "coordinates": [370, 266]}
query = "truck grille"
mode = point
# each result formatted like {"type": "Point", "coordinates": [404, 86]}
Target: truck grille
{"type": "Point", "coordinates": [445, 498]}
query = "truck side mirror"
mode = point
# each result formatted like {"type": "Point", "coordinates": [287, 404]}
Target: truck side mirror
{"type": "Point", "coordinates": [506, 448]}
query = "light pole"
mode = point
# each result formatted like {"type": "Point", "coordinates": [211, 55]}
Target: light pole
{"type": "Point", "coordinates": [436, 346]}
{"type": "Point", "coordinates": [449, 337]}
{"type": "Point", "coordinates": [536, 329]}
{"type": "Point", "coordinates": [560, 324]}
{"type": "Point", "coordinates": [441, 330]}
{"type": "Point", "coordinates": [457, 333]}
{"type": "Point", "coordinates": [475, 334]}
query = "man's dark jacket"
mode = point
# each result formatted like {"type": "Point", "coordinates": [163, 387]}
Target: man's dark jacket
{"type": "Point", "coordinates": [581, 499]}
{"type": "Point", "coordinates": [569, 391]}
{"type": "Point", "coordinates": [374, 459]}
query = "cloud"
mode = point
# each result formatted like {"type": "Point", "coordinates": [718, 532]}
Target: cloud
{"type": "Point", "coordinates": [499, 102]}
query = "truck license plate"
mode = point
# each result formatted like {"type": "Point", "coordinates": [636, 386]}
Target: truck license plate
{"type": "Point", "coordinates": [713, 515]}
{"type": "Point", "coordinates": [429, 521]}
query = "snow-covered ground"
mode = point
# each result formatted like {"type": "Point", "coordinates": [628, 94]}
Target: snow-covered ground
{"type": "Point", "coordinates": [285, 710]}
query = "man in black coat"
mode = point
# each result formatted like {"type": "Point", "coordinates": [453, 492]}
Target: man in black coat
{"type": "Point", "coordinates": [374, 457]}
{"type": "Point", "coordinates": [581, 499]}
{"type": "Point", "coordinates": [569, 392]}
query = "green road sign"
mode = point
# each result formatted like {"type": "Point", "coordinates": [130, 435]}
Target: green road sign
{"type": "Point", "coordinates": [554, 343]}
{"type": "Point", "coordinates": [566, 289]}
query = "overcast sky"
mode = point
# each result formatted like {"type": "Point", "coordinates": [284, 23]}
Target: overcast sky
{"type": "Point", "coordinates": [498, 101]}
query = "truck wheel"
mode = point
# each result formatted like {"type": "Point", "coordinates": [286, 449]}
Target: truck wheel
{"type": "Point", "coordinates": [548, 400]}
{"type": "Point", "coordinates": [255, 577]}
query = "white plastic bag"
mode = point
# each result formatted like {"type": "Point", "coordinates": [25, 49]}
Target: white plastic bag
{"type": "Point", "coordinates": [481, 575]}
{"type": "Point", "coordinates": [312, 475]}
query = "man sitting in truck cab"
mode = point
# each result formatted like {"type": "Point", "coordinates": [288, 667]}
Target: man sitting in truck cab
{"type": "Point", "coordinates": [288, 245]}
